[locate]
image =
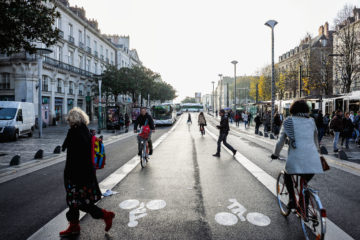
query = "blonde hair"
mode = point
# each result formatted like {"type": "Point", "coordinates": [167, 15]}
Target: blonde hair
{"type": "Point", "coordinates": [76, 116]}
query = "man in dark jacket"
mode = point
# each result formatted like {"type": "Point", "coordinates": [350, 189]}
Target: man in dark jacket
{"type": "Point", "coordinates": [320, 125]}
{"type": "Point", "coordinates": [336, 125]}
{"type": "Point", "coordinates": [257, 120]}
{"type": "Point", "coordinates": [140, 121]}
{"type": "Point", "coordinates": [224, 130]}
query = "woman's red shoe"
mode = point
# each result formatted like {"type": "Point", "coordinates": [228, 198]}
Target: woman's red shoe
{"type": "Point", "coordinates": [108, 218]}
{"type": "Point", "coordinates": [73, 229]}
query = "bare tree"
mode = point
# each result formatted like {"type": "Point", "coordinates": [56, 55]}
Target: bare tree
{"type": "Point", "coordinates": [346, 47]}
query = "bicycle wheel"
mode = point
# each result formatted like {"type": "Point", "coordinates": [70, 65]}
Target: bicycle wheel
{"type": "Point", "coordinates": [143, 156]}
{"type": "Point", "coordinates": [314, 227]}
{"type": "Point", "coordinates": [282, 194]}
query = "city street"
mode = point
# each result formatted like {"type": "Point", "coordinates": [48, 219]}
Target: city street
{"type": "Point", "coordinates": [183, 193]}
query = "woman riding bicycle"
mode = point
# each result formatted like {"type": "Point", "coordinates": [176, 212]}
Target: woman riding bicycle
{"type": "Point", "coordinates": [201, 121]}
{"type": "Point", "coordinates": [303, 156]}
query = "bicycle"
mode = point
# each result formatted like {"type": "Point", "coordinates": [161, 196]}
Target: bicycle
{"type": "Point", "coordinates": [202, 130]}
{"type": "Point", "coordinates": [308, 206]}
{"type": "Point", "coordinates": [144, 154]}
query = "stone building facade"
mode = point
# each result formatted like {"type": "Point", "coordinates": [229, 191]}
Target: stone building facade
{"type": "Point", "coordinates": [68, 72]}
{"type": "Point", "coordinates": [309, 61]}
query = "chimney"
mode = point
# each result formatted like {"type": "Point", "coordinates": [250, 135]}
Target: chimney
{"type": "Point", "coordinates": [326, 29]}
{"type": "Point", "coordinates": [321, 30]}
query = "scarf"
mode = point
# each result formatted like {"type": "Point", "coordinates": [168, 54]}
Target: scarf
{"type": "Point", "coordinates": [289, 127]}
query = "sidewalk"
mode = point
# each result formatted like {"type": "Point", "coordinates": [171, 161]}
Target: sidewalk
{"type": "Point", "coordinates": [353, 152]}
{"type": "Point", "coordinates": [53, 136]}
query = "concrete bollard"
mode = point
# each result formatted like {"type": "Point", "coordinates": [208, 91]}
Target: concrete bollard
{"type": "Point", "coordinates": [272, 136]}
{"type": "Point", "coordinates": [260, 133]}
{"type": "Point", "coordinates": [266, 135]}
{"type": "Point", "coordinates": [39, 154]}
{"type": "Point", "coordinates": [15, 160]}
{"type": "Point", "coordinates": [57, 150]}
{"type": "Point", "coordinates": [342, 155]}
{"type": "Point", "coordinates": [323, 150]}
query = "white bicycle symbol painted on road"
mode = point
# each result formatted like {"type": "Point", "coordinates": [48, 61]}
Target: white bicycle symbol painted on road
{"type": "Point", "coordinates": [140, 209]}
{"type": "Point", "coordinates": [238, 210]}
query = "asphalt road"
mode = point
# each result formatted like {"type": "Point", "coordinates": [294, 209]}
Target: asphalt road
{"type": "Point", "coordinates": [30, 201]}
{"type": "Point", "coordinates": [197, 188]}
{"type": "Point", "coordinates": [183, 193]}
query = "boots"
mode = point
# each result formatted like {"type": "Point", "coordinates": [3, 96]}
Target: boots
{"type": "Point", "coordinates": [108, 218]}
{"type": "Point", "coordinates": [73, 229]}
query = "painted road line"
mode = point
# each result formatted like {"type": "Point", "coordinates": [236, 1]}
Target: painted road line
{"type": "Point", "coordinates": [53, 227]}
{"type": "Point", "coordinates": [333, 232]}
{"type": "Point", "coordinates": [32, 166]}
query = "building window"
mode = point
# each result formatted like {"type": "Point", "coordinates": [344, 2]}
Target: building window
{"type": "Point", "coordinates": [81, 62]}
{"type": "Point", "coordinates": [88, 65]}
{"type": "Point", "coordinates": [70, 29]}
{"type": "Point", "coordinates": [59, 52]}
{"type": "Point", "coordinates": [45, 83]}
{"type": "Point", "coordinates": [59, 86]}
{"type": "Point", "coordinates": [88, 41]}
{"type": "Point", "coordinates": [80, 37]}
{"type": "Point", "coordinates": [101, 69]}
{"type": "Point", "coordinates": [95, 45]}
{"type": "Point", "coordinates": [71, 88]}
{"type": "Point", "coordinates": [106, 53]}
{"type": "Point", "coordinates": [71, 58]}
{"type": "Point", "coordinates": [58, 23]}
{"type": "Point", "coordinates": [5, 81]}
{"type": "Point", "coordinates": [95, 67]}
{"type": "Point", "coordinates": [81, 90]}
{"type": "Point", "coordinates": [111, 54]}
{"type": "Point", "coordinates": [101, 50]}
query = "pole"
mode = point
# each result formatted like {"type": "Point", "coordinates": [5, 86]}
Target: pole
{"type": "Point", "coordinates": [272, 79]}
{"type": "Point", "coordinates": [300, 81]}
{"type": "Point", "coordinates": [227, 94]}
{"type": "Point", "coordinates": [235, 85]}
{"type": "Point", "coordinates": [257, 93]}
{"type": "Point", "coordinates": [99, 119]}
{"type": "Point", "coordinates": [213, 98]}
{"type": "Point", "coordinates": [40, 95]}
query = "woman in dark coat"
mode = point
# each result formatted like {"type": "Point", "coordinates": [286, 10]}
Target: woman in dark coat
{"type": "Point", "coordinates": [348, 130]}
{"type": "Point", "coordinates": [82, 188]}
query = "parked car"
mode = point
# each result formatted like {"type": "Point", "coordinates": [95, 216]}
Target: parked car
{"type": "Point", "coordinates": [16, 119]}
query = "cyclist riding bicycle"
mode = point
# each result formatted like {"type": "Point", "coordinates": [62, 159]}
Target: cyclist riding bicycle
{"type": "Point", "coordinates": [201, 121]}
{"type": "Point", "coordinates": [303, 154]}
{"type": "Point", "coordinates": [141, 120]}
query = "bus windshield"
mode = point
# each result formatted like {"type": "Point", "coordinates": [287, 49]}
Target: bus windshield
{"type": "Point", "coordinates": [7, 113]}
{"type": "Point", "coordinates": [162, 112]}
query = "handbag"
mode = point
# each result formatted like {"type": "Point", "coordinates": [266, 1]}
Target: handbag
{"type": "Point", "coordinates": [324, 164]}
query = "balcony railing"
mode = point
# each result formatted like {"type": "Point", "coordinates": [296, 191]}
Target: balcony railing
{"type": "Point", "coordinates": [45, 88]}
{"type": "Point", "coordinates": [88, 49]}
{"type": "Point", "coordinates": [67, 67]}
{"type": "Point", "coordinates": [71, 39]}
{"type": "Point", "coordinates": [5, 86]}
{"type": "Point", "coordinates": [96, 53]}
{"type": "Point", "coordinates": [71, 91]}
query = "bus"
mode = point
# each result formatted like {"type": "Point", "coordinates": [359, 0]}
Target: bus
{"type": "Point", "coordinates": [178, 109]}
{"type": "Point", "coordinates": [192, 107]}
{"type": "Point", "coordinates": [164, 114]}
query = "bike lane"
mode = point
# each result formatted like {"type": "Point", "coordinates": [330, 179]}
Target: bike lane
{"type": "Point", "coordinates": [185, 193]}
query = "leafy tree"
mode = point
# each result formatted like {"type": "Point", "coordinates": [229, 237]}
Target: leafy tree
{"type": "Point", "coordinates": [254, 91]}
{"type": "Point", "coordinates": [281, 84]}
{"type": "Point", "coordinates": [347, 47]}
{"type": "Point", "coordinates": [189, 100]}
{"type": "Point", "coordinates": [24, 22]}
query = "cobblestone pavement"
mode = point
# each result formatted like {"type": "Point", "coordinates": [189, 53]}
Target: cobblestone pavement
{"type": "Point", "coordinates": [27, 147]}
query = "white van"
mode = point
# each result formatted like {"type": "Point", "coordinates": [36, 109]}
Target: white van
{"type": "Point", "coordinates": [16, 119]}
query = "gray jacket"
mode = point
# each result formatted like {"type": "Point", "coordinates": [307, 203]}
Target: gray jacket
{"type": "Point", "coordinates": [305, 158]}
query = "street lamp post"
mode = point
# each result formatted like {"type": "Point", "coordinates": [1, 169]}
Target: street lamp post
{"type": "Point", "coordinates": [234, 62]}
{"type": "Point", "coordinates": [213, 98]}
{"type": "Point", "coordinates": [221, 90]}
{"type": "Point", "coordinates": [40, 52]}
{"type": "Point", "coordinates": [99, 77]}
{"type": "Point", "coordinates": [271, 24]}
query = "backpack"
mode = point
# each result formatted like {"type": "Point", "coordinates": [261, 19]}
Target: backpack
{"type": "Point", "coordinates": [145, 130]}
{"type": "Point", "coordinates": [98, 152]}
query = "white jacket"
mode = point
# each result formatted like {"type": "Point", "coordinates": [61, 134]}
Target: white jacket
{"type": "Point", "coordinates": [305, 158]}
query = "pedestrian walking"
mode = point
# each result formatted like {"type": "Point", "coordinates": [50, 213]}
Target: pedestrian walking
{"type": "Point", "coordinates": [257, 120]}
{"type": "Point", "coordinates": [348, 130]}
{"type": "Point", "coordinates": [224, 131]}
{"type": "Point", "coordinates": [81, 185]}
{"type": "Point", "coordinates": [216, 113]}
{"type": "Point", "coordinates": [202, 122]}
{"type": "Point", "coordinates": [277, 124]}
{"type": "Point", "coordinates": [245, 118]}
{"type": "Point", "coordinates": [337, 126]}
{"type": "Point", "coordinates": [127, 122]}
{"type": "Point", "coordinates": [320, 126]}
{"type": "Point", "coordinates": [357, 126]}
{"type": "Point", "coordinates": [237, 118]}
{"type": "Point", "coordinates": [326, 120]}
{"type": "Point", "coordinates": [267, 121]}
{"type": "Point", "coordinates": [249, 118]}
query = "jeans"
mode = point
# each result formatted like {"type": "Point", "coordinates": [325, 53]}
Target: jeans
{"type": "Point", "coordinates": [246, 123]}
{"type": "Point", "coordinates": [357, 134]}
{"type": "Point", "coordinates": [73, 214]}
{"type": "Point", "coordinates": [346, 142]}
{"type": "Point", "coordinates": [321, 132]}
{"type": "Point", "coordinates": [336, 139]}
{"type": "Point", "coordinates": [222, 138]}
{"type": "Point", "coordinates": [290, 185]}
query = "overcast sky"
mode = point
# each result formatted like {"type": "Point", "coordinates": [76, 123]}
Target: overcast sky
{"type": "Point", "coordinates": [189, 42]}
